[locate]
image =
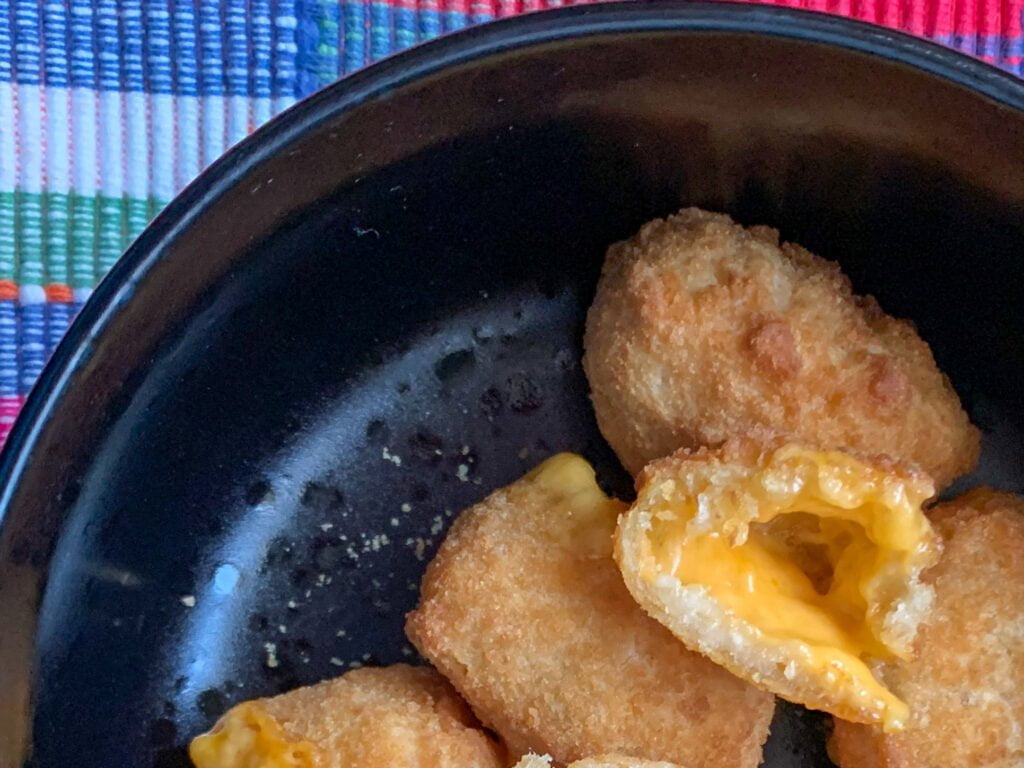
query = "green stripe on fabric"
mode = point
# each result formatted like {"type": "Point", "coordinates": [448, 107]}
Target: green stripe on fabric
{"type": "Point", "coordinates": [56, 229]}
{"type": "Point", "coordinates": [8, 247]}
{"type": "Point", "coordinates": [71, 239]}
{"type": "Point", "coordinates": [28, 233]}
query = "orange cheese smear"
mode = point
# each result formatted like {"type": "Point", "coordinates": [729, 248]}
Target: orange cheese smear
{"type": "Point", "coordinates": [248, 737]}
{"type": "Point", "coordinates": [812, 548]}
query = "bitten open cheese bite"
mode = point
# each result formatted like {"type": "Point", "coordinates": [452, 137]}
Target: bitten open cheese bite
{"type": "Point", "coordinates": [387, 717]}
{"type": "Point", "coordinates": [791, 567]}
{"type": "Point", "coordinates": [702, 330]}
{"type": "Point", "coordinates": [524, 610]}
{"type": "Point", "coordinates": [965, 684]}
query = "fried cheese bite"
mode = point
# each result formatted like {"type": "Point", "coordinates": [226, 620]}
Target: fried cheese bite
{"type": "Point", "coordinates": [793, 568]}
{"type": "Point", "coordinates": [524, 610]}
{"type": "Point", "coordinates": [386, 717]}
{"type": "Point", "coordinates": [702, 330]}
{"type": "Point", "coordinates": [965, 684]}
{"type": "Point", "coordinates": [602, 761]}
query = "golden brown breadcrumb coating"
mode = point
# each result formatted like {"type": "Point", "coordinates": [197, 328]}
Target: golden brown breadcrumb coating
{"type": "Point", "coordinates": [524, 610]}
{"type": "Point", "coordinates": [965, 686]}
{"type": "Point", "coordinates": [702, 330]}
{"type": "Point", "coordinates": [387, 717]}
{"type": "Point", "coordinates": [600, 761]}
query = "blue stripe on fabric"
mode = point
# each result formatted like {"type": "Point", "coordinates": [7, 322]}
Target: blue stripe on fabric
{"type": "Point", "coordinates": [405, 28]}
{"type": "Point", "coordinates": [108, 43]}
{"type": "Point", "coordinates": [996, 46]}
{"type": "Point", "coordinates": [211, 48]}
{"type": "Point", "coordinates": [8, 348]}
{"type": "Point", "coordinates": [307, 41]}
{"type": "Point", "coordinates": [58, 319]}
{"type": "Point", "coordinates": [453, 20]}
{"type": "Point", "coordinates": [285, 49]}
{"type": "Point", "coordinates": [261, 40]}
{"type": "Point", "coordinates": [329, 42]}
{"type": "Point", "coordinates": [33, 345]}
{"type": "Point", "coordinates": [132, 53]}
{"type": "Point", "coordinates": [27, 49]}
{"type": "Point", "coordinates": [185, 65]}
{"type": "Point", "coordinates": [380, 31]}
{"type": "Point", "coordinates": [83, 57]}
{"type": "Point", "coordinates": [356, 16]}
{"type": "Point", "coordinates": [430, 24]}
{"type": "Point", "coordinates": [6, 42]}
{"type": "Point", "coordinates": [237, 25]}
{"type": "Point", "coordinates": [260, 48]}
{"type": "Point", "coordinates": [159, 78]}
{"type": "Point", "coordinates": [55, 44]}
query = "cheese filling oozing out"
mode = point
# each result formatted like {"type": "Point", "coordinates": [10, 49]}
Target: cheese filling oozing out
{"type": "Point", "coordinates": [248, 737]}
{"type": "Point", "coordinates": [815, 548]}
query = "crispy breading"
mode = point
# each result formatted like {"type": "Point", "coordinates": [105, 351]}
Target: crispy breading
{"type": "Point", "coordinates": [965, 686]}
{"type": "Point", "coordinates": [387, 717]}
{"type": "Point", "coordinates": [524, 610]}
{"type": "Point", "coordinates": [601, 761]}
{"type": "Point", "coordinates": [702, 330]}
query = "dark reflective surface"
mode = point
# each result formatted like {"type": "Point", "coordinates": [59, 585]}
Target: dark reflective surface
{"type": "Point", "coordinates": [381, 323]}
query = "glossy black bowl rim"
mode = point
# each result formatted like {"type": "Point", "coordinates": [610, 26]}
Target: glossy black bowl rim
{"type": "Point", "coordinates": [609, 19]}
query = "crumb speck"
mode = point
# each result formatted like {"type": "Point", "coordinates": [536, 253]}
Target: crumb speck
{"type": "Point", "coordinates": [354, 664]}
{"type": "Point", "coordinates": [292, 605]}
{"type": "Point", "coordinates": [392, 457]}
{"type": "Point", "coordinates": [462, 473]}
{"type": "Point", "coordinates": [437, 526]}
{"type": "Point", "coordinates": [340, 633]}
{"type": "Point", "coordinates": [282, 628]}
{"type": "Point", "coordinates": [406, 507]}
{"type": "Point", "coordinates": [326, 526]}
{"type": "Point", "coordinates": [189, 601]}
{"type": "Point", "coordinates": [394, 522]}
{"type": "Point", "coordinates": [465, 450]}
{"type": "Point", "coordinates": [271, 660]}
{"type": "Point", "coordinates": [524, 452]}
{"type": "Point", "coordinates": [337, 662]}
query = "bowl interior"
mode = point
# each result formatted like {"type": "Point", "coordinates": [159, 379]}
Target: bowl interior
{"type": "Point", "coordinates": [380, 322]}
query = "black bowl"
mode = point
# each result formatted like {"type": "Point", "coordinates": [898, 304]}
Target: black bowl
{"type": "Point", "coordinates": [369, 314]}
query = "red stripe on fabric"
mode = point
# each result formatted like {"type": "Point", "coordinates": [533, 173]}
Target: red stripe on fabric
{"type": "Point", "coordinates": [8, 290]}
{"type": "Point", "coordinates": [9, 408]}
{"type": "Point", "coordinates": [58, 294]}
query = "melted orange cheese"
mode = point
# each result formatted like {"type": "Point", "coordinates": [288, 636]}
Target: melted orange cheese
{"type": "Point", "coordinates": [248, 737]}
{"type": "Point", "coordinates": [813, 548]}
{"type": "Point", "coordinates": [569, 482]}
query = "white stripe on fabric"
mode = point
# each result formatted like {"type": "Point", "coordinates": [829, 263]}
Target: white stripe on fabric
{"type": "Point", "coordinates": [163, 156]}
{"type": "Point", "coordinates": [8, 139]}
{"type": "Point", "coordinates": [188, 165]}
{"type": "Point", "coordinates": [238, 118]}
{"type": "Point", "coordinates": [100, 142]}
{"type": "Point", "coordinates": [31, 151]}
{"type": "Point", "coordinates": [214, 126]}
{"type": "Point", "coordinates": [58, 149]}
{"type": "Point", "coordinates": [112, 145]}
{"type": "Point", "coordinates": [136, 108]}
{"type": "Point", "coordinates": [84, 169]}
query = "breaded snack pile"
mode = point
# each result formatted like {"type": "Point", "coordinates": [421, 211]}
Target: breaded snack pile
{"type": "Point", "coordinates": [786, 437]}
{"type": "Point", "coordinates": [965, 683]}
{"type": "Point", "coordinates": [390, 717]}
{"type": "Point", "coordinates": [524, 610]}
{"type": "Point", "coordinates": [702, 330]}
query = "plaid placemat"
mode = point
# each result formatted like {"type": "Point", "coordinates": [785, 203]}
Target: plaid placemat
{"type": "Point", "coordinates": [108, 107]}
